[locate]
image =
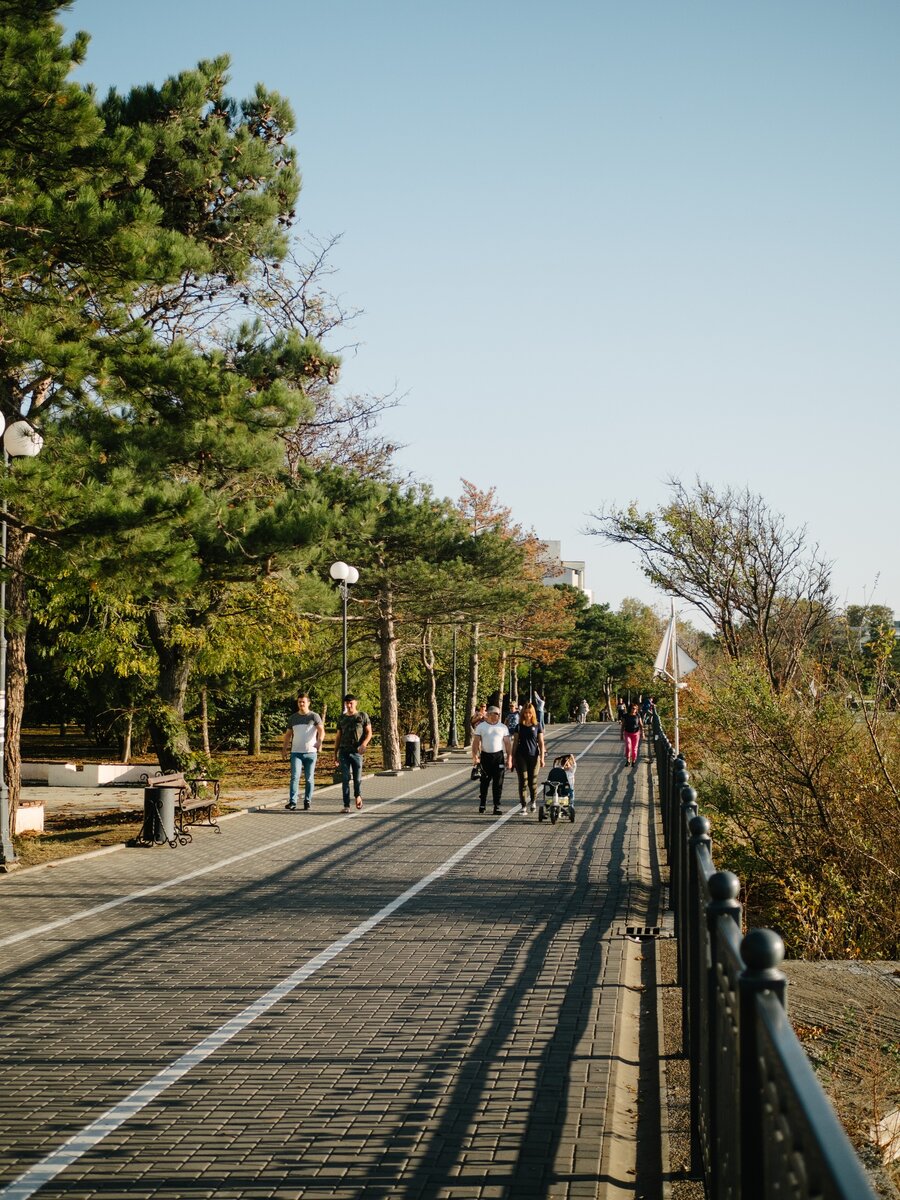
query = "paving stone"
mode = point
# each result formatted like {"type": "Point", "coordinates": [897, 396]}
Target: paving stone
{"type": "Point", "coordinates": [463, 1046]}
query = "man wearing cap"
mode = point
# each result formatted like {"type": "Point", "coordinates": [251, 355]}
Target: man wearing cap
{"type": "Point", "coordinates": [492, 748]}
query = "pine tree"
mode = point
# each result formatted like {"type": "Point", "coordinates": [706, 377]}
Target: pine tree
{"type": "Point", "coordinates": [127, 232]}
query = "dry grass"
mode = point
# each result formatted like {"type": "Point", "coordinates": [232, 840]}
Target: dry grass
{"type": "Point", "coordinates": [66, 836]}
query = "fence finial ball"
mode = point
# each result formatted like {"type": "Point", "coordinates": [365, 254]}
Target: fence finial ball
{"type": "Point", "coordinates": [681, 777]}
{"type": "Point", "coordinates": [699, 826]}
{"type": "Point", "coordinates": [724, 885]}
{"type": "Point", "coordinates": [762, 950]}
{"type": "Point", "coordinates": [679, 762]}
{"type": "Point", "coordinates": [688, 795]}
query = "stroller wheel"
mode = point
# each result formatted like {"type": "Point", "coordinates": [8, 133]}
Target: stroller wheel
{"type": "Point", "coordinates": [554, 814]}
{"type": "Point", "coordinates": [541, 813]}
{"type": "Point", "coordinates": [572, 815]}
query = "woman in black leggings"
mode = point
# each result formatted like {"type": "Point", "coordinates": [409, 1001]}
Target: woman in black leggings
{"type": "Point", "coordinates": [528, 752]}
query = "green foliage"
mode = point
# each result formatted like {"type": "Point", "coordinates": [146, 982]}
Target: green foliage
{"type": "Point", "coordinates": [607, 652]}
{"type": "Point", "coordinates": [804, 801]}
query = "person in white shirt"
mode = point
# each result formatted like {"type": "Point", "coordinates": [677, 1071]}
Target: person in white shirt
{"type": "Point", "coordinates": [492, 749]}
{"type": "Point", "coordinates": [302, 740]}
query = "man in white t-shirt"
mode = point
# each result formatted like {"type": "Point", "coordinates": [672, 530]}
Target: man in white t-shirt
{"type": "Point", "coordinates": [302, 741]}
{"type": "Point", "coordinates": [492, 749]}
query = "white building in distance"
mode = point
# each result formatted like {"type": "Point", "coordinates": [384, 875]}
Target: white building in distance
{"type": "Point", "coordinates": [564, 570]}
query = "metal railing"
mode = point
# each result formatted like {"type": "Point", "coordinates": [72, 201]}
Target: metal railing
{"type": "Point", "coordinates": [762, 1127]}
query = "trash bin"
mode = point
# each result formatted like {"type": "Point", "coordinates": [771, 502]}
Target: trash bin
{"type": "Point", "coordinates": [159, 815]}
{"type": "Point", "coordinates": [413, 751]}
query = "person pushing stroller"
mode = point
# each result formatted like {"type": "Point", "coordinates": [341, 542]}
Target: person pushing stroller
{"type": "Point", "coordinates": [560, 781]}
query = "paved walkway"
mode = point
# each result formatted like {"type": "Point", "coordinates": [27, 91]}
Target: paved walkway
{"type": "Point", "coordinates": [413, 1001]}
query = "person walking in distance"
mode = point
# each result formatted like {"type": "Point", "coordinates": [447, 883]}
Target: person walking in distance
{"type": "Point", "coordinates": [302, 742]}
{"type": "Point", "coordinates": [539, 707]}
{"type": "Point", "coordinates": [631, 734]}
{"type": "Point", "coordinates": [354, 732]}
{"type": "Point", "coordinates": [528, 752]}
{"type": "Point", "coordinates": [583, 710]}
{"type": "Point", "coordinates": [477, 716]}
{"type": "Point", "coordinates": [492, 748]}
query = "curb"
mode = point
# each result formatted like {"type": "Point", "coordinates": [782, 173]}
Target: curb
{"type": "Point", "coordinates": [664, 1149]}
{"type": "Point", "coordinates": [618, 1163]}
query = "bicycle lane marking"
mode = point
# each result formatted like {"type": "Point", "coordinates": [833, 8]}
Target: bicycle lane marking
{"type": "Point", "coordinates": [61, 922]}
{"type": "Point", "coordinates": [79, 1144]}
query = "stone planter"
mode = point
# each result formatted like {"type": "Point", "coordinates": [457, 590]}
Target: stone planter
{"type": "Point", "coordinates": [29, 817]}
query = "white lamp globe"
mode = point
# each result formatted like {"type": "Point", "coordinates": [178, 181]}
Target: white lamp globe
{"type": "Point", "coordinates": [339, 570]}
{"type": "Point", "coordinates": [2, 423]}
{"type": "Point", "coordinates": [22, 440]}
{"type": "Point", "coordinates": [352, 574]}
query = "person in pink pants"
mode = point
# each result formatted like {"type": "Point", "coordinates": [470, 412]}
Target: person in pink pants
{"type": "Point", "coordinates": [631, 733]}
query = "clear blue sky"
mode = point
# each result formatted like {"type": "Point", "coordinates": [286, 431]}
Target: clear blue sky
{"type": "Point", "coordinates": [599, 243]}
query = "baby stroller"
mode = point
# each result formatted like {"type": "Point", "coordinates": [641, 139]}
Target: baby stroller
{"type": "Point", "coordinates": [558, 793]}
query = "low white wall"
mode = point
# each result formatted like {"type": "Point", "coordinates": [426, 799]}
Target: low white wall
{"type": "Point", "coordinates": [90, 775]}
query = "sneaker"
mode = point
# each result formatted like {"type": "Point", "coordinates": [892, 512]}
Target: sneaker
{"type": "Point", "coordinates": [481, 808]}
{"type": "Point", "coordinates": [346, 808]}
{"type": "Point", "coordinates": [291, 806]}
{"type": "Point", "coordinates": [497, 810]}
{"type": "Point", "coordinates": [531, 807]}
{"type": "Point", "coordinates": [306, 806]}
{"type": "Point", "coordinates": [522, 808]}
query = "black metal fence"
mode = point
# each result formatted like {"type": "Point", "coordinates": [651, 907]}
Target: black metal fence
{"type": "Point", "coordinates": [761, 1125]}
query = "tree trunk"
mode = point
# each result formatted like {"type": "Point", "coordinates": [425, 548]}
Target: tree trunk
{"type": "Point", "coordinates": [18, 614]}
{"type": "Point", "coordinates": [166, 718]}
{"type": "Point", "coordinates": [254, 746]}
{"type": "Point", "coordinates": [126, 739]}
{"type": "Point", "coordinates": [472, 691]}
{"type": "Point", "coordinates": [502, 675]}
{"type": "Point", "coordinates": [387, 670]}
{"type": "Point", "coordinates": [204, 720]}
{"type": "Point", "coordinates": [434, 731]}
{"type": "Point", "coordinates": [513, 679]}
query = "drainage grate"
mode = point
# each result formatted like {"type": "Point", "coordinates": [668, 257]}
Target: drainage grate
{"type": "Point", "coordinates": [645, 933]}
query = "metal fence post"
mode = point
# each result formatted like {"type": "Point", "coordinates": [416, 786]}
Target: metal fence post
{"type": "Point", "coordinates": [762, 950]}
{"type": "Point", "coordinates": [675, 787]}
{"type": "Point", "coordinates": [687, 809]}
{"type": "Point", "coordinates": [692, 993]}
{"type": "Point", "coordinates": [724, 889]}
{"type": "Point", "coordinates": [660, 746]}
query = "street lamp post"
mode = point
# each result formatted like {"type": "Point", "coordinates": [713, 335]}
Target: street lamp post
{"type": "Point", "coordinates": [20, 440]}
{"type": "Point", "coordinates": [345, 577]}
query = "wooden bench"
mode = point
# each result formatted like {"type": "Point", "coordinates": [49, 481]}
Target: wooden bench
{"type": "Point", "coordinates": [198, 798]}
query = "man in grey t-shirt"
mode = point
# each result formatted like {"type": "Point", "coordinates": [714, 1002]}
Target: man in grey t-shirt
{"type": "Point", "coordinates": [302, 740]}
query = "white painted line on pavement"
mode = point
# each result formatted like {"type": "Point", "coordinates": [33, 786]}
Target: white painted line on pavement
{"type": "Point", "coordinates": [60, 922]}
{"type": "Point", "coordinates": [70, 1151]}
{"type": "Point", "coordinates": [577, 756]}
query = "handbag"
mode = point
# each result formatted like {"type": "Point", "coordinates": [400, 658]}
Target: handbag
{"type": "Point", "coordinates": [476, 772]}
